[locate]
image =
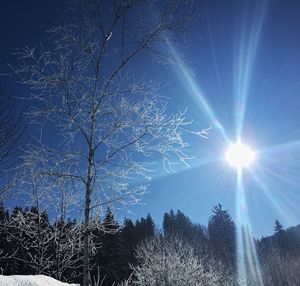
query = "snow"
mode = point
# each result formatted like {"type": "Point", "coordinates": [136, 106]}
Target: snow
{"type": "Point", "coordinates": [31, 280]}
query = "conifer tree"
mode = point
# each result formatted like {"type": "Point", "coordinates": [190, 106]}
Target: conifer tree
{"type": "Point", "coordinates": [281, 239]}
{"type": "Point", "coordinates": [130, 240]}
{"type": "Point", "coordinates": [145, 228]}
{"type": "Point", "coordinates": [110, 254]}
{"type": "Point", "coordinates": [180, 225]}
{"type": "Point", "coordinates": [278, 226]}
{"type": "Point", "coordinates": [222, 236]}
{"type": "Point", "coordinates": [169, 223]}
{"type": "Point", "coordinates": [129, 235]}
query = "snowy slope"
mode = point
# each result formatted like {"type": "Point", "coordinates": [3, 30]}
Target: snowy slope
{"type": "Point", "coordinates": [30, 280]}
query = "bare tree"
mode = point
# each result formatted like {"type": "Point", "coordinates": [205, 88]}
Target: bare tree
{"type": "Point", "coordinates": [66, 243]}
{"type": "Point", "coordinates": [11, 132]}
{"type": "Point", "coordinates": [47, 246]}
{"type": "Point", "coordinates": [110, 125]}
{"type": "Point", "coordinates": [30, 228]}
{"type": "Point", "coordinates": [30, 231]}
{"type": "Point", "coordinates": [173, 262]}
{"type": "Point", "coordinates": [278, 270]}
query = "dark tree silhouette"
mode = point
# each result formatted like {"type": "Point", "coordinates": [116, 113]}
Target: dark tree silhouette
{"type": "Point", "coordinates": [278, 226]}
{"type": "Point", "coordinates": [181, 226]}
{"type": "Point", "coordinates": [110, 252]}
{"type": "Point", "coordinates": [169, 223]}
{"type": "Point", "coordinates": [145, 228]}
{"type": "Point", "coordinates": [282, 240]}
{"type": "Point", "coordinates": [222, 236]}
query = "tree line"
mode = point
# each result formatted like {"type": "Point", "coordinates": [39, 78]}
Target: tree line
{"type": "Point", "coordinates": [30, 243]}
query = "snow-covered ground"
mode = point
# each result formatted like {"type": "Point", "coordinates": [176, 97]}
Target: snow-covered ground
{"type": "Point", "coordinates": [31, 280]}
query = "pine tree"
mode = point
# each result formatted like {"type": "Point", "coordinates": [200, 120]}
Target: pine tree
{"type": "Point", "coordinates": [278, 226]}
{"type": "Point", "coordinates": [145, 228]}
{"type": "Point", "coordinates": [130, 240]}
{"type": "Point", "coordinates": [150, 227]}
{"type": "Point", "coordinates": [169, 223]}
{"type": "Point", "coordinates": [110, 253]}
{"type": "Point", "coordinates": [128, 233]}
{"type": "Point", "coordinates": [281, 239]}
{"type": "Point", "coordinates": [181, 226]}
{"type": "Point", "coordinates": [222, 236]}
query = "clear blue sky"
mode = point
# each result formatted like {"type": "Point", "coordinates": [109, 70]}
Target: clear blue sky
{"type": "Point", "coordinates": [245, 60]}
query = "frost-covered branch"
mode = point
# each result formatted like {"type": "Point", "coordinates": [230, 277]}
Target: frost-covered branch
{"type": "Point", "coordinates": [173, 262]}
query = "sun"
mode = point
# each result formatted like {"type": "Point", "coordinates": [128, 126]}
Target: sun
{"type": "Point", "coordinates": [239, 155]}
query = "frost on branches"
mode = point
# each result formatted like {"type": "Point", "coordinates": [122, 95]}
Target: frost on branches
{"type": "Point", "coordinates": [109, 123]}
{"type": "Point", "coordinates": [170, 261]}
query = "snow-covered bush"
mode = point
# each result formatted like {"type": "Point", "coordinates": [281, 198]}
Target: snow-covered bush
{"type": "Point", "coordinates": [280, 270]}
{"type": "Point", "coordinates": [171, 261]}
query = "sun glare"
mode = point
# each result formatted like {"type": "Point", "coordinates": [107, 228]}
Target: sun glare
{"type": "Point", "coordinates": [239, 155]}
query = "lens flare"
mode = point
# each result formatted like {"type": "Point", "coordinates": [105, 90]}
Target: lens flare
{"type": "Point", "coordinates": [248, 266]}
{"type": "Point", "coordinates": [239, 155]}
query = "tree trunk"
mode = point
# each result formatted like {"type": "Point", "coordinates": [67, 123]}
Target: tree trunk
{"type": "Point", "coordinates": [86, 248]}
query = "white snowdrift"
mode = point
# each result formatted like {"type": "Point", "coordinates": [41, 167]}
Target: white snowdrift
{"type": "Point", "coordinates": [31, 280]}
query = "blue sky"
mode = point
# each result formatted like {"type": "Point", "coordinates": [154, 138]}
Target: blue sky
{"type": "Point", "coordinates": [243, 67]}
